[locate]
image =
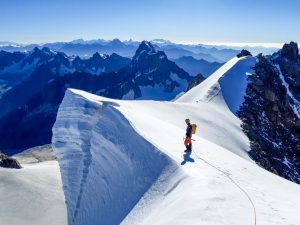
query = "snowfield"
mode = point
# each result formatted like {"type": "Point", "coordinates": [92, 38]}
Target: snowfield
{"type": "Point", "coordinates": [122, 161]}
{"type": "Point", "coordinates": [32, 195]}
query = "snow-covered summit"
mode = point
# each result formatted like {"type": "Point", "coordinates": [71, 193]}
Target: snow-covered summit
{"type": "Point", "coordinates": [122, 162]}
{"type": "Point", "coordinates": [227, 84]}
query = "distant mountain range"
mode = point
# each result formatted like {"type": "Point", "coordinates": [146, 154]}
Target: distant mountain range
{"type": "Point", "coordinates": [84, 48]}
{"type": "Point", "coordinates": [194, 66]}
{"type": "Point", "coordinates": [18, 67]}
{"type": "Point", "coordinates": [29, 106]}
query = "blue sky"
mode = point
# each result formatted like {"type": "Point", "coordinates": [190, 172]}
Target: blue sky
{"type": "Point", "coordinates": [36, 21]}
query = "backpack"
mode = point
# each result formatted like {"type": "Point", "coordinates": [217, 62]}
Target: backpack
{"type": "Point", "coordinates": [194, 127]}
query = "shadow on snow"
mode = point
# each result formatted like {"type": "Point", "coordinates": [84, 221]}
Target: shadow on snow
{"type": "Point", "coordinates": [187, 158]}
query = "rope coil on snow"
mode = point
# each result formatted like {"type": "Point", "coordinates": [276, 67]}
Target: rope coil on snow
{"type": "Point", "coordinates": [233, 181]}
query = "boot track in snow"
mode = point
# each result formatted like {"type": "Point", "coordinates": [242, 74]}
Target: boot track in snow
{"type": "Point", "coordinates": [232, 180]}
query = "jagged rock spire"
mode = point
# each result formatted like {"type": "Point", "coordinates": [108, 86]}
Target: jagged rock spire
{"type": "Point", "coordinates": [290, 51]}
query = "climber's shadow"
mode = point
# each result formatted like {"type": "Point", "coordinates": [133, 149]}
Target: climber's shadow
{"type": "Point", "coordinates": [187, 158]}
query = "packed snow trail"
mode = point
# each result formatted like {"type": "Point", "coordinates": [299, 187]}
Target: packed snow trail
{"type": "Point", "coordinates": [168, 193]}
{"type": "Point", "coordinates": [233, 181]}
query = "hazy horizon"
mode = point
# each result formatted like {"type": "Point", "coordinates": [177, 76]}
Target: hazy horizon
{"type": "Point", "coordinates": [191, 21]}
{"type": "Point", "coordinates": [229, 44]}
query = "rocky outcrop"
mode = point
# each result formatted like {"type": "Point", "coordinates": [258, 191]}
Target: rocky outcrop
{"type": "Point", "coordinates": [244, 52]}
{"type": "Point", "coordinates": [270, 113]}
{"type": "Point", "coordinates": [290, 51]}
{"type": "Point", "coordinates": [8, 162]}
{"type": "Point", "coordinates": [197, 80]}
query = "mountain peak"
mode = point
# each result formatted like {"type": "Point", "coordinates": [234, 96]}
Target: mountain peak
{"type": "Point", "coordinates": [116, 42]}
{"type": "Point", "coordinates": [36, 49]}
{"type": "Point", "coordinates": [290, 50]}
{"type": "Point", "coordinates": [97, 56]}
{"type": "Point", "coordinates": [145, 46]}
{"type": "Point", "coordinates": [42, 52]}
{"type": "Point", "coordinates": [78, 41]}
{"type": "Point", "coordinates": [229, 83]}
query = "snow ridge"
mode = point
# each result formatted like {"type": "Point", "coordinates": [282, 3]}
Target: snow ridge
{"type": "Point", "coordinates": [132, 180]}
{"type": "Point", "coordinates": [227, 84]}
{"type": "Point", "coordinates": [83, 158]}
{"type": "Point", "coordinates": [104, 162]}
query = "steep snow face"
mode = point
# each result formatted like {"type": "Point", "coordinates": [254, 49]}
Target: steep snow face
{"type": "Point", "coordinates": [106, 166]}
{"type": "Point", "coordinates": [122, 161]}
{"type": "Point", "coordinates": [228, 83]}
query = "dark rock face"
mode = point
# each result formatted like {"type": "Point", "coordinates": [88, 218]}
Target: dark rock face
{"type": "Point", "coordinates": [270, 113]}
{"type": "Point", "coordinates": [144, 48]}
{"type": "Point", "coordinates": [7, 58]}
{"type": "Point", "coordinates": [244, 52]}
{"type": "Point", "coordinates": [290, 51]}
{"type": "Point", "coordinates": [16, 68]}
{"type": "Point", "coordinates": [46, 65]}
{"type": "Point", "coordinates": [197, 80]}
{"type": "Point", "coordinates": [149, 68]}
{"type": "Point", "coordinates": [8, 162]}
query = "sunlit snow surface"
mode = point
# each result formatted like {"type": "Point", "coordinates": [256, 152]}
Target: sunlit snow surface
{"type": "Point", "coordinates": [122, 161]}
{"type": "Point", "coordinates": [227, 84]}
{"type": "Point", "coordinates": [32, 195]}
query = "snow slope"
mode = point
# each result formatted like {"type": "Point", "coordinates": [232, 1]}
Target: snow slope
{"type": "Point", "coordinates": [122, 162]}
{"type": "Point", "coordinates": [228, 83]}
{"type": "Point", "coordinates": [32, 195]}
{"type": "Point", "coordinates": [107, 159]}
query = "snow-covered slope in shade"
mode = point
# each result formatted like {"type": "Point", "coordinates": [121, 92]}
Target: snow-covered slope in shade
{"type": "Point", "coordinates": [32, 195]}
{"type": "Point", "coordinates": [228, 83]}
{"type": "Point", "coordinates": [122, 161]}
